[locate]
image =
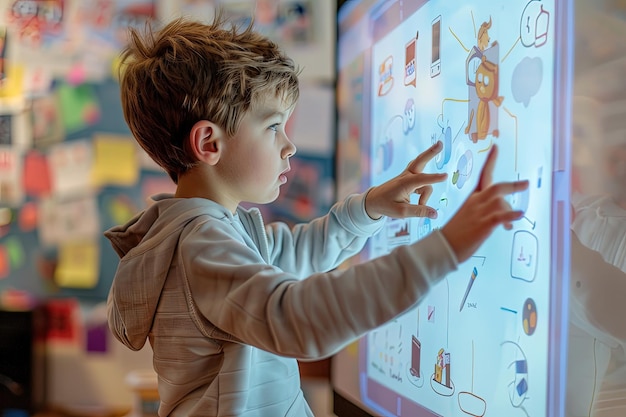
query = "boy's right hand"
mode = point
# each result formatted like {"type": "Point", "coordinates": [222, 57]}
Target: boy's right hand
{"type": "Point", "coordinates": [484, 210]}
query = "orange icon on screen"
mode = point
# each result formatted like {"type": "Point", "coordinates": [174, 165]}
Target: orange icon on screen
{"type": "Point", "coordinates": [385, 76]}
{"type": "Point", "coordinates": [529, 317]}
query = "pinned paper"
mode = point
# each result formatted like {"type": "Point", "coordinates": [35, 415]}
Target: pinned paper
{"type": "Point", "coordinates": [15, 252]}
{"type": "Point", "coordinates": [27, 219]}
{"type": "Point", "coordinates": [68, 221]}
{"type": "Point", "coordinates": [115, 160]}
{"type": "Point", "coordinates": [97, 329]}
{"type": "Point", "coordinates": [11, 191]}
{"type": "Point", "coordinates": [13, 84]}
{"type": "Point", "coordinates": [62, 320]}
{"type": "Point", "coordinates": [36, 174]}
{"type": "Point", "coordinates": [79, 106]}
{"type": "Point", "coordinates": [79, 265]}
{"type": "Point", "coordinates": [70, 166]}
{"type": "Point", "coordinates": [5, 267]}
{"type": "Point", "coordinates": [46, 121]}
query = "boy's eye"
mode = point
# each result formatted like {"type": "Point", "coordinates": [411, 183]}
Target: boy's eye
{"type": "Point", "coordinates": [274, 127]}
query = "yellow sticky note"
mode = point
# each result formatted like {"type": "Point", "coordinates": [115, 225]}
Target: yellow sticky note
{"type": "Point", "coordinates": [78, 265]}
{"type": "Point", "coordinates": [115, 160]}
{"type": "Point", "coordinates": [13, 84]}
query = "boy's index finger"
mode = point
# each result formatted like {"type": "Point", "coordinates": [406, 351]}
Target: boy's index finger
{"type": "Point", "coordinates": [418, 164]}
{"type": "Point", "coordinates": [486, 175]}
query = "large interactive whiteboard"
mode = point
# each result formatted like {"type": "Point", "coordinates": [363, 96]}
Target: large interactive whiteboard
{"type": "Point", "coordinates": [489, 340]}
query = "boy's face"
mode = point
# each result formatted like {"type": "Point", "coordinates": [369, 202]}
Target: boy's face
{"type": "Point", "coordinates": [256, 159]}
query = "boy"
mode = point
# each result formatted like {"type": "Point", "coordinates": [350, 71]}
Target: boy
{"type": "Point", "coordinates": [222, 297]}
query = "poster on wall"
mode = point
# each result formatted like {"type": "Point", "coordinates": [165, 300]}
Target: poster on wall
{"type": "Point", "coordinates": [303, 28]}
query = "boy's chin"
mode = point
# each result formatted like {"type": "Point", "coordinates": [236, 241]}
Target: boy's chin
{"type": "Point", "coordinates": [268, 200]}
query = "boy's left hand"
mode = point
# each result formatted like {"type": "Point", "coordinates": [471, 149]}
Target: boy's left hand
{"type": "Point", "coordinates": [393, 198]}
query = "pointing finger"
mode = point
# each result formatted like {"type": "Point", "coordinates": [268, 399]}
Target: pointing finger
{"type": "Point", "coordinates": [504, 188]}
{"type": "Point", "coordinates": [486, 175]}
{"type": "Point", "coordinates": [418, 164]}
{"type": "Point", "coordinates": [426, 179]}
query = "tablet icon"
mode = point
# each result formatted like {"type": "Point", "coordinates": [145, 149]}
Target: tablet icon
{"type": "Point", "coordinates": [435, 64]}
{"type": "Point", "coordinates": [410, 64]}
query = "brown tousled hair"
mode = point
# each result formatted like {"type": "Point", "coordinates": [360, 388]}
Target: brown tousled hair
{"type": "Point", "coordinates": [190, 71]}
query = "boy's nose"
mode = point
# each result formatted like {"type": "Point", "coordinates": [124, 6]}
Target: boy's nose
{"type": "Point", "coordinates": [289, 150]}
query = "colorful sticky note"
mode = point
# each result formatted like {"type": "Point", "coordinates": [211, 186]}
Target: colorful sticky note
{"type": "Point", "coordinates": [62, 321]}
{"type": "Point", "coordinates": [5, 267]}
{"type": "Point", "coordinates": [97, 337]}
{"type": "Point", "coordinates": [15, 251]}
{"type": "Point", "coordinates": [79, 264]}
{"type": "Point", "coordinates": [70, 165]}
{"type": "Point", "coordinates": [28, 217]}
{"type": "Point", "coordinates": [115, 161]}
{"type": "Point", "coordinates": [36, 174]}
{"type": "Point", "coordinates": [79, 106]}
{"type": "Point", "coordinates": [13, 85]}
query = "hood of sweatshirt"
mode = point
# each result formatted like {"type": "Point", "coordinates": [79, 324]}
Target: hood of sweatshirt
{"type": "Point", "coordinates": [146, 245]}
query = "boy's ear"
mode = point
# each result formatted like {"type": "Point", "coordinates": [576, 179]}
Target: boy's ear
{"type": "Point", "coordinates": [204, 140]}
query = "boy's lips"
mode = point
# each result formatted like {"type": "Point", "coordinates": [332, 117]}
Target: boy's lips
{"type": "Point", "coordinates": [283, 175]}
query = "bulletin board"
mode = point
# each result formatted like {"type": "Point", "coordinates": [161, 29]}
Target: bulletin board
{"type": "Point", "coordinates": [31, 254]}
{"type": "Point", "coordinates": [69, 168]}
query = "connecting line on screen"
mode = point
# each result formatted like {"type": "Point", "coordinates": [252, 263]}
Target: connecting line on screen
{"type": "Point", "coordinates": [448, 316]}
{"type": "Point", "coordinates": [484, 258]}
{"type": "Point", "coordinates": [514, 117]}
{"type": "Point", "coordinates": [458, 39]}
{"type": "Point", "coordinates": [472, 365]}
{"type": "Point", "coordinates": [455, 100]}
{"type": "Point", "coordinates": [511, 50]}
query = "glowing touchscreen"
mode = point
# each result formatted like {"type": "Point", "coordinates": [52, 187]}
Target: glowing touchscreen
{"type": "Point", "coordinates": [471, 75]}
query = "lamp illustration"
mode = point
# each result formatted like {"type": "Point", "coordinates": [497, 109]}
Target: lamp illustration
{"type": "Point", "coordinates": [469, 402]}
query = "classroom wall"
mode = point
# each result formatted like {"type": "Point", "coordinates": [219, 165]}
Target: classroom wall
{"type": "Point", "coordinates": [69, 168]}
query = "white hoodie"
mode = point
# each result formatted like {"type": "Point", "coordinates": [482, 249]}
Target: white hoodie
{"type": "Point", "coordinates": [223, 300]}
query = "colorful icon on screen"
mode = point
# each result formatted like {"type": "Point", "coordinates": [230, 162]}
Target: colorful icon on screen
{"type": "Point", "coordinates": [469, 287]}
{"type": "Point", "coordinates": [408, 121]}
{"type": "Point", "coordinates": [445, 136]}
{"type": "Point", "coordinates": [410, 64]}
{"type": "Point", "coordinates": [524, 256]}
{"type": "Point", "coordinates": [529, 317]}
{"type": "Point", "coordinates": [441, 381]}
{"type": "Point", "coordinates": [519, 383]}
{"type": "Point", "coordinates": [534, 25]}
{"type": "Point", "coordinates": [463, 169]}
{"type": "Point", "coordinates": [385, 76]}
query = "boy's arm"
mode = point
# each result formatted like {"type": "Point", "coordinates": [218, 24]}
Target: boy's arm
{"type": "Point", "coordinates": [263, 306]}
{"type": "Point", "coordinates": [325, 242]}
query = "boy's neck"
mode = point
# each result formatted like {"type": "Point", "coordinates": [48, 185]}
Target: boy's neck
{"type": "Point", "coordinates": [195, 185]}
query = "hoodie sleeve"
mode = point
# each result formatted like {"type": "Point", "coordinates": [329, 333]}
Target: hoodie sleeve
{"type": "Point", "coordinates": [264, 306]}
{"type": "Point", "coordinates": [324, 243]}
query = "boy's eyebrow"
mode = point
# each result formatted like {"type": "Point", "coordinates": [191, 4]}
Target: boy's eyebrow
{"type": "Point", "coordinates": [268, 114]}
